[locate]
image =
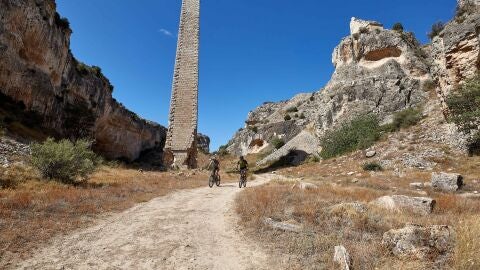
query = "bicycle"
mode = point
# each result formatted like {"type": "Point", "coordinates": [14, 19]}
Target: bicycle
{"type": "Point", "coordinates": [243, 178]}
{"type": "Point", "coordinates": [214, 179]}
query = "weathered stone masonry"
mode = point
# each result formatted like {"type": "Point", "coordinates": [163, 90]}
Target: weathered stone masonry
{"type": "Point", "coordinates": [180, 148]}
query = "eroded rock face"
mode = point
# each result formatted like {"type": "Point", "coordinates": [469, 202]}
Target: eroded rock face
{"type": "Point", "coordinates": [378, 71]}
{"type": "Point", "coordinates": [455, 51]}
{"type": "Point", "coordinates": [38, 71]}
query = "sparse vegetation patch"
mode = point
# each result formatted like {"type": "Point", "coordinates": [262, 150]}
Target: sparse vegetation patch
{"type": "Point", "coordinates": [360, 133]}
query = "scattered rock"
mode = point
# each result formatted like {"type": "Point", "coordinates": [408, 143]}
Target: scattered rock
{"type": "Point", "coordinates": [447, 181]}
{"type": "Point", "coordinates": [289, 226]}
{"type": "Point", "coordinates": [304, 186]}
{"type": "Point", "coordinates": [342, 258]}
{"type": "Point", "coordinates": [418, 205]}
{"type": "Point", "coordinates": [416, 185]}
{"type": "Point", "coordinates": [370, 154]}
{"type": "Point", "coordinates": [350, 173]}
{"type": "Point", "coordinates": [348, 208]}
{"type": "Point", "coordinates": [418, 241]}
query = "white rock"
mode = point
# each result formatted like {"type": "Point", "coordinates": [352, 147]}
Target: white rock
{"type": "Point", "coordinates": [370, 154]}
{"type": "Point", "coordinates": [284, 226]}
{"type": "Point", "coordinates": [416, 185]}
{"type": "Point", "coordinates": [419, 205]}
{"type": "Point", "coordinates": [342, 258]}
{"type": "Point", "coordinates": [447, 181]}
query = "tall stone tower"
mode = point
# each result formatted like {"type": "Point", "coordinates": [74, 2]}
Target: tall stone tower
{"type": "Point", "coordinates": [180, 147]}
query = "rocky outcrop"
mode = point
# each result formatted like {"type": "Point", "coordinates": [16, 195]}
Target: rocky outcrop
{"type": "Point", "coordinates": [203, 143]}
{"type": "Point", "coordinates": [415, 241]}
{"type": "Point", "coordinates": [456, 50]}
{"type": "Point", "coordinates": [38, 72]}
{"type": "Point", "coordinates": [378, 71]}
{"type": "Point", "coordinates": [447, 181]}
{"type": "Point", "coordinates": [418, 205]}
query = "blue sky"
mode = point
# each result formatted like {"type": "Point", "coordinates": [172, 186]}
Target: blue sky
{"type": "Point", "coordinates": [251, 51]}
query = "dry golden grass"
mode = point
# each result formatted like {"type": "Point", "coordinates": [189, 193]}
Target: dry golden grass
{"type": "Point", "coordinates": [33, 210]}
{"type": "Point", "coordinates": [468, 244]}
{"type": "Point", "coordinates": [361, 234]}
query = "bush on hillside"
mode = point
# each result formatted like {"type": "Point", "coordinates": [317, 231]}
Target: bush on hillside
{"type": "Point", "coordinates": [360, 133]}
{"type": "Point", "coordinates": [398, 27]}
{"type": "Point", "coordinates": [222, 150]}
{"type": "Point", "coordinates": [277, 143]}
{"type": "Point", "coordinates": [404, 119]}
{"type": "Point", "coordinates": [292, 109]}
{"type": "Point", "coordinates": [464, 110]}
{"type": "Point", "coordinates": [436, 29]}
{"type": "Point", "coordinates": [372, 166]}
{"type": "Point", "coordinates": [64, 161]}
{"type": "Point", "coordinates": [287, 118]}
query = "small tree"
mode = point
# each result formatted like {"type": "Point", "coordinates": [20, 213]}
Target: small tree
{"type": "Point", "coordinates": [287, 117]}
{"type": "Point", "coordinates": [436, 29]}
{"type": "Point", "coordinates": [398, 27]}
{"type": "Point", "coordinates": [464, 111]}
{"type": "Point", "coordinates": [277, 143]}
{"type": "Point", "coordinates": [64, 161]}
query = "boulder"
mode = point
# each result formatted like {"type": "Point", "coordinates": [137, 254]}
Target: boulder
{"type": "Point", "coordinates": [416, 185]}
{"type": "Point", "coordinates": [370, 154]}
{"type": "Point", "coordinates": [342, 258]}
{"type": "Point", "coordinates": [447, 181]}
{"type": "Point", "coordinates": [418, 205]}
{"type": "Point", "coordinates": [283, 226]}
{"type": "Point", "coordinates": [415, 241]}
{"type": "Point", "coordinates": [304, 186]}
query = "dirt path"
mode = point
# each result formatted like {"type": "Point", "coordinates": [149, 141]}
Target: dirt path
{"type": "Point", "coordinates": [191, 229]}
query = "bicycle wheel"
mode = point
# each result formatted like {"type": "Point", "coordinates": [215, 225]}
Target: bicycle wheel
{"type": "Point", "coordinates": [240, 183]}
{"type": "Point", "coordinates": [211, 181]}
{"type": "Point", "coordinates": [244, 183]}
{"type": "Point", "coordinates": [218, 181]}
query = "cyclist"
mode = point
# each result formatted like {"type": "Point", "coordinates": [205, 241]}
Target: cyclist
{"type": "Point", "coordinates": [242, 165]}
{"type": "Point", "coordinates": [214, 165]}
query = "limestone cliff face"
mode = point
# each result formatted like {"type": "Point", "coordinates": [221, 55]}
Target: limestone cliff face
{"type": "Point", "coordinates": [72, 100]}
{"type": "Point", "coordinates": [456, 50]}
{"type": "Point", "coordinates": [377, 71]}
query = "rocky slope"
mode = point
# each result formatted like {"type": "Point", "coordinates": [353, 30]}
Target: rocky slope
{"type": "Point", "coordinates": [40, 78]}
{"type": "Point", "coordinates": [378, 71]}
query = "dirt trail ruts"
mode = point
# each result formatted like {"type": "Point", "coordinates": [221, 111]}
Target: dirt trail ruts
{"type": "Point", "coordinates": [190, 229]}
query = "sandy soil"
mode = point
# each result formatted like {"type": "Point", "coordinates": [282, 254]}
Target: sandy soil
{"type": "Point", "coordinates": [191, 229]}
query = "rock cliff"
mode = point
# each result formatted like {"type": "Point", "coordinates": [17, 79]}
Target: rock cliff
{"type": "Point", "coordinates": [378, 71]}
{"type": "Point", "coordinates": [40, 76]}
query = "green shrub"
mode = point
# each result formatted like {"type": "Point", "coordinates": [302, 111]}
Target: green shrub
{"type": "Point", "coordinates": [398, 27]}
{"type": "Point", "coordinates": [360, 133]}
{"type": "Point", "coordinates": [406, 118]}
{"type": "Point", "coordinates": [372, 166]}
{"type": "Point", "coordinates": [64, 161]}
{"type": "Point", "coordinates": [222, 150]}
{"type": "Point", "coordinates": [312, 98]}
{"type": "Point", "coordinates": [277, 143]}
{"type": "Point", "coordinates": [464, 111]}
{"type": "Point", "coordinates": [292, 109]}
{"type": "Point", "coordinates": [287, 117]}
{"type": "Point", "coordinates": [436, 29]}
{"type": "Point", "coordinates": [253, 128]}
{"type": "Point", "coordinates": [468, 7]}
{"type": "Point", "coordinates": [302, 116]}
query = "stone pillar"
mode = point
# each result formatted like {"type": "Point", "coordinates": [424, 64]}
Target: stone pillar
{"type": "Point", "coordinates": [180, 147]}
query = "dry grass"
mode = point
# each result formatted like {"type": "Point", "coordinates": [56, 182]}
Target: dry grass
{"type": "Point", "coordinates": [468, 244]}
{"type": "Point", "coordinates": [33, 210]}
{"type": "Point", "coordinates": [361, 234]}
